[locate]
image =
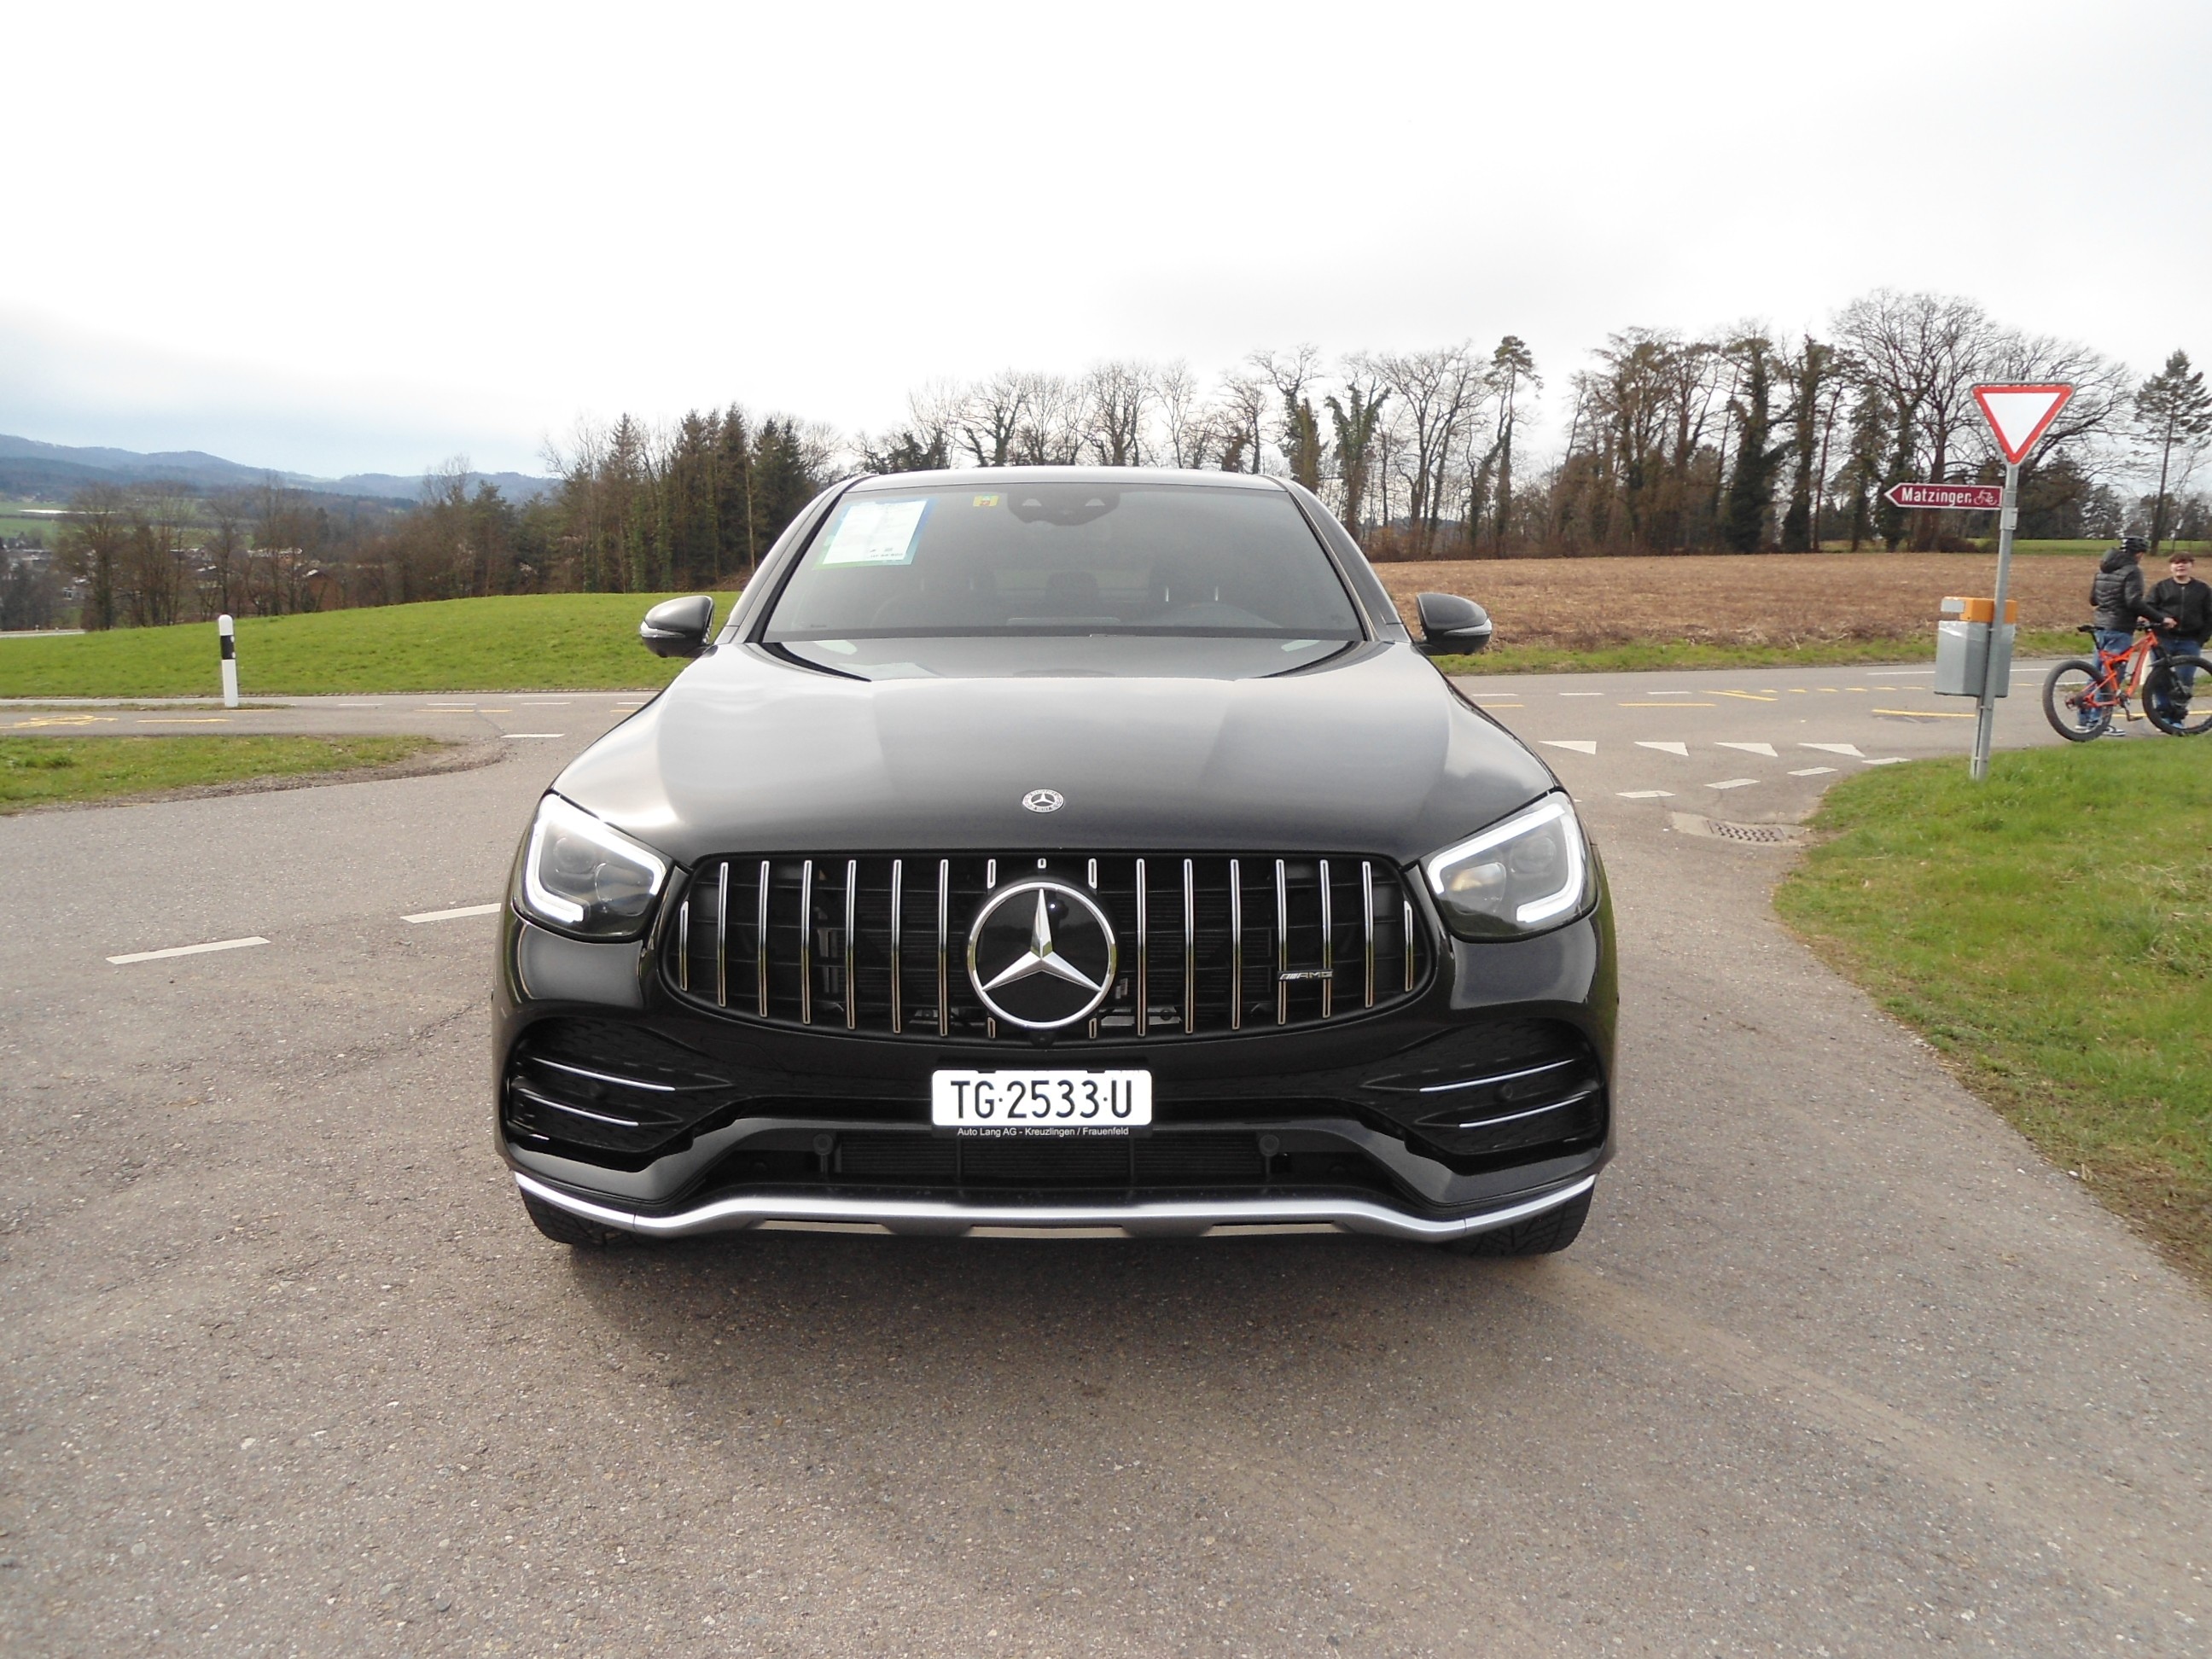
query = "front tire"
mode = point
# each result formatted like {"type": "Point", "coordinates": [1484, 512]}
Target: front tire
{"type": "Point", "coordinates": [1539, 1235]}
{"type": "Point", "coordinates": [2169, 707]}
{"type": "Point", "coordinates": [563, 1228]}
{"type": "Point", "coordinates": [2069, 702]}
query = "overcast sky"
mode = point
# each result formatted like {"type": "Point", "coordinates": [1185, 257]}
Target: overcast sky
{"type": "Point", "coordinates": [366, 237]}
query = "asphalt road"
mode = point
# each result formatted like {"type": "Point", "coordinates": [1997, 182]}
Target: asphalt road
{"type": "Point", "coordinates": [1839, 1366]}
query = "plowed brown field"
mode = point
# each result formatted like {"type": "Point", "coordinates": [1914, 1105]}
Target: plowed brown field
{"type": "Point", "coordinates": [1761, 599]}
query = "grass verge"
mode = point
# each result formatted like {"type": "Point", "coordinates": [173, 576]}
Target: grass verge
{"type": "Point", "coordinates": [530, 642]}
{"type": "Point", "coordinates": [46, 771]}
{"type": "Point", "coordinates": [2048, 931]}
{"type": "Point", "coordinates": [1638, 656]}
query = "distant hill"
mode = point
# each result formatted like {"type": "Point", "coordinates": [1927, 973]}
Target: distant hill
{"type": "Point", "coordinates": [28, 467]}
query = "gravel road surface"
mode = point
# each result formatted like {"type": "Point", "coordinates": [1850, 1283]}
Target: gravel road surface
{"type": "Point", "coordinates": [1838, 1367]}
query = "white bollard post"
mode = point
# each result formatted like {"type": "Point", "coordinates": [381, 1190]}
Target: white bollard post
{"type": "Point", "coordinates": [226, 630]}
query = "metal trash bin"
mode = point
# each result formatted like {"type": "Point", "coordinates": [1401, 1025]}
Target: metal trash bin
{"type": "Point", "coordinates": [1962, 647]}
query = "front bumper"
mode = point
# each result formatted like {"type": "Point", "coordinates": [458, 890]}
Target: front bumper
{"type": "Point", "coordinates": [1154, 1219]}
{"type": "Point", "coordinates": [1404, 1123]}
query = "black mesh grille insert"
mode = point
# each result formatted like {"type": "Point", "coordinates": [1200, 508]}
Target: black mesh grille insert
{"type": "Point", "coordinates": [1206, 944]}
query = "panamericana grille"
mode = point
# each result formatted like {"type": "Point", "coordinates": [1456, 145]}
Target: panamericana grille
{"type": "Point", "coordinates": [1208, 944]}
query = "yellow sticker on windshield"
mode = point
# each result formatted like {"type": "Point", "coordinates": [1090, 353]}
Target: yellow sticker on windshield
{"type": "Point", "coordinates": [987, 501]}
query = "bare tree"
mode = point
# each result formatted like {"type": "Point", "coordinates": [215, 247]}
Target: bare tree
{"type": "Point", "coordinates": [93, 540]}
{"type": "Point", "coordinates": [1243, 414]}
{"type": "Point", "coordinates": [1513, 370]}
{"type": "Point", "coordinates": [1053, 429]}
{"type": "Point", "coordinates": [1438, 391]}
{"type": "Point", "coordinates": [1925, 351]}
{"type": "Point", "coordinates": [1120, 396]}
{"type": "Point", "coordinates": [990, 416]}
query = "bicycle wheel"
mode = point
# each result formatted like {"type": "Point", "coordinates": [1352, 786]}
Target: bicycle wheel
{"type": "Point", "coordinates": [2171, 709]}
{"type": "Point", "coordinates": [2070, 701]}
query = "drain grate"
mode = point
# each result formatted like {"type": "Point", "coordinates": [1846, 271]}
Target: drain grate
{"type": "Point", "coordinates": [1745, 835]}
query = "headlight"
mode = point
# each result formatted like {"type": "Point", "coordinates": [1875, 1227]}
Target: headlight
{"type": "Point", "coordinates": [587, 877]}
{"type": "Point", "coordinates": [1520, 877]}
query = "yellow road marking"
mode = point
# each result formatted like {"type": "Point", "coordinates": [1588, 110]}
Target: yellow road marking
{"type": "Point", "coordinates": [66, 719]}
{"type": "Point", "coordinates": [1670, 704]}
{"type": "Point", "coordinates": [1748, 697]}
{"type": "Point", "coordinates": [191, 720]}
{"type": "Point", "coordinates": [1924, 713]}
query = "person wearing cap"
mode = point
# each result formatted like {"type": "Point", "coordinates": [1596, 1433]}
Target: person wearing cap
{"type": "Point", "coordinates": [2188, 605]}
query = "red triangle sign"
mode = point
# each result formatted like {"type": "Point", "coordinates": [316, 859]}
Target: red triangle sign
{"type": "Point", "coordinates": [2018, 414]}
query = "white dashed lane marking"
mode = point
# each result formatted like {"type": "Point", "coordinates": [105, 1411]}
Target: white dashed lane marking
{"type": "Point", "coordinates": [1732, 783]}
{"type": "Point", "coordinates": [1647, 795]}
{"type": "Point", "coordinates": [536, 734]}
{"type": "Point", "coordinates": [453, 915]}
{"type": "Point", "coordinates": [1811, 771]}
{"type": "Point", "coordinates": [1678, 748]}
{"type": "Point", "coordinates": [188, 950]}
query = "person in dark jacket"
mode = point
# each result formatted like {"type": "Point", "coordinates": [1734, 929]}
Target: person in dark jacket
{"type": "Point", "coordinates": [2189, 603]}
{"type": "Point", "coordinates": [2118, 599]}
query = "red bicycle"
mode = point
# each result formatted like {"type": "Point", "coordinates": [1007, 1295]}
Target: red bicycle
{"type": "Point", "coordinates": [2079, 697]}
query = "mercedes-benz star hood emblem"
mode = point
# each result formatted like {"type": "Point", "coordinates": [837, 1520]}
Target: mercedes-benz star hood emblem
{"type": "Point", "coordinates": [1041, 955]}
{"type": "Point", "coordinates": [1044, 800]}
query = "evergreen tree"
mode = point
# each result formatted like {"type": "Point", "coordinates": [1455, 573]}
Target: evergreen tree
{"type": "Point", "coordinates": [1751, 486]}
{"type": "Point", "coordinates": [2173, 413]}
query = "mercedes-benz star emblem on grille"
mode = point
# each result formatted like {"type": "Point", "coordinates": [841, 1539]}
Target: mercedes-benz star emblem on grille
{"type": "Point", "coordinates": [1041, 955]}
{"type": "Point", "coordinates": [1044, 800]}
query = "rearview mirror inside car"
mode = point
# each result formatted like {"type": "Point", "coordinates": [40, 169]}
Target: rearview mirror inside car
{"type": "Point", "coordinates": [677, 627]}
{"type": "Point", "coordinates": [1451, 626]}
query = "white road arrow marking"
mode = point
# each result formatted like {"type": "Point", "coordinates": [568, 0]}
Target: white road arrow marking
{"type": "Point", "coordinates": [1849, 749]}
{"type": "Point", "coordinates": [1580, 745]}
{"type": "Point", "coordinates": [1765, 748]}
{"type": "Point", "coordinates": [1681, 749]}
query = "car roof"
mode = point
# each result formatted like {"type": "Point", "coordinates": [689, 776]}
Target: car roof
{"type": "Point", "coordinates": [1014, 476]}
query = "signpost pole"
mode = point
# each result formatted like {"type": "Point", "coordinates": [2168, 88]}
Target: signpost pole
{"type": "Point", "coordinates": [1994, 661]}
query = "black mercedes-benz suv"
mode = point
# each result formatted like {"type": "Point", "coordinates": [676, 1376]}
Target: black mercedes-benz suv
{"type": "Point", "coordinates": [1059, 848]}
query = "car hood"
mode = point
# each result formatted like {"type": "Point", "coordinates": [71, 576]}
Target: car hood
{"type": "Point", "coordinates": [1368, 751]}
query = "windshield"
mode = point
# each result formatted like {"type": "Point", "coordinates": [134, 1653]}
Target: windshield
{"type": "Point", "coordinates": [1064, 558]}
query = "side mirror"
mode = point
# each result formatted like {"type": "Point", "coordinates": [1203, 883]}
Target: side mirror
{"type": "Point", "coordinates": [677, 627]}
{"type": "Point", "coordinates": [1451, 626]}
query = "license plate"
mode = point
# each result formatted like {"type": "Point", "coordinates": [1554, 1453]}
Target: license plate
{"type": "Point", "coordinates": [1042, 1102]}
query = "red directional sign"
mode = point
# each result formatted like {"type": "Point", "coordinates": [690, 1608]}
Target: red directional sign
{"type": "Point", "coordinates": [1974, 498]}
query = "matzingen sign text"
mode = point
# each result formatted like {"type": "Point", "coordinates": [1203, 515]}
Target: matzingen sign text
{"type": "Point", "coordinates": [1970, 497]}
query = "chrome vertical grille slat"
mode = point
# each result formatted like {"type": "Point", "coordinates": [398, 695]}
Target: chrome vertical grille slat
{"type": "Point", "coordinates": [722, 939]}
{"type": "Point", "coordinates": [852, 926]}
{"type": "Point", "coordinates": [1189, 951]}
{"type": "Point", "coordinates": [1367, 927]}
{"type": "Point", "coordinates": [806, 944]}
{"type": "Point", "coordinates": [822, 948]}
{"type": "Point", "coordinates": [1236, 944]}
{"type": "Point", "coordinates": [760, 936]}
{"type": "Point", "coordinates": [1143, 955]}
{"type": "Point", "coordinates": [898, 903]}
{"type": "Point", "coordinates": [1328, 946]}
{"type": "Point", "coordinates": [943, 912]}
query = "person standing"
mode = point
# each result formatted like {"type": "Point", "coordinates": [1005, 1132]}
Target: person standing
{"type": "Point", "coordinates": [2187, 604]}
{"type": "Point", "coordinates": [2117, 604]}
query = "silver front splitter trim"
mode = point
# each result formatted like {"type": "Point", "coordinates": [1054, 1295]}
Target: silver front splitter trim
{"type": "Point", "coordinates": [1163, 1219]}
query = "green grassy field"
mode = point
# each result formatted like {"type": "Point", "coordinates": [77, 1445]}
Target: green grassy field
{"type": "Point", "coordinates": [2048, 930]}
{"type": "Point", "coordinates": [537, 642]}
{"type": "Point", "coordinates": [41, 771]}
{"type": "Point", "coordinates": [1642, 655]}
{"type": "Point", "coordinates": [2091, 546]}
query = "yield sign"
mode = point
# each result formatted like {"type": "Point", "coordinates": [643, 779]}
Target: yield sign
{"type": "Point", "coordinates": [2018, 414]}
